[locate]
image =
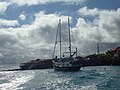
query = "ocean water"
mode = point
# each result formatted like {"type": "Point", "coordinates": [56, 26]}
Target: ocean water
{"type": "Point", "coordinates": [88, 78]}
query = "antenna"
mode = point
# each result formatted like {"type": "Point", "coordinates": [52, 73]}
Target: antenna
{"type": "Point", "coordinates": [98, 49]}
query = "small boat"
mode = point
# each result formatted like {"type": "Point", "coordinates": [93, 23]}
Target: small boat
{"type": "Point", "coordinates": [70, 63]}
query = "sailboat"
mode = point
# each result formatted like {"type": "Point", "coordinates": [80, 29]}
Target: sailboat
{"type": "Point", "coordinates": [63, 63]}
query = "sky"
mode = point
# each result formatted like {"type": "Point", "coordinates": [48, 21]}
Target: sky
{"type": "Point", "coordinates": [28, 27]}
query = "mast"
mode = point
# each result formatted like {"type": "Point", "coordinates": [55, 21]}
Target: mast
{"type": "Point", "coordinates": [69, 37]}
{"type": "Point", "coordinates": [60, 35]}
{"type": "Point", "coordinates": [76, 52]}
{"type": "Point", "coordinates": [55, 40]}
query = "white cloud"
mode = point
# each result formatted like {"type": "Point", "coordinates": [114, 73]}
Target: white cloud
{"type": "Point", "coordinates": [35, 2]}
{"type": "Point", "coordinates": [3, 7]}
{"type": "Point", "coordinates": [37, 39]}
{"type": "Point", "coordinates": [86, 31]}
{"type": "Point", "coordinates": [22, 16]}
{"type": "Point", "coordinates": [1, 56]}
{"type": "Point", "coordinates": [32, 41]}
{"type": "Point", "coordinates": [104, 28]}
{"type": "Point", "coordinates": [86, 11]}
{"type": "Point", "coordinates": [109, 22]}
{"type": "Point", "coordinates": [9, 23]}
{"type": "Point", "coordinates": [87, 36]}
{"type": "Point", "coordinates": [106, 21]}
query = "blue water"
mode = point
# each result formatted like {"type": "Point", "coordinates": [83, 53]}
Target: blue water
{"type": "Point", "coordinates": [89, 78]}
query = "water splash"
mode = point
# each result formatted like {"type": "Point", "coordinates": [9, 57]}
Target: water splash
{"type": "Point", "coordinates": [14, 79]}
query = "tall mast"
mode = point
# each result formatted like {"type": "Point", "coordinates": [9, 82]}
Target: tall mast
{"type": "Point", "coordinates": [56, 40]}
{"type": "Point", "coordinates": [69, 37]}
{"type": "Point", "coordinates": [60, 35]}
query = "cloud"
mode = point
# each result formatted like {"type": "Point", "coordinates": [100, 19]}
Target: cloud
{"type": "Point", "coordinates": [86, 37]}
{"type": "Point", "coordinates": [46, 25]}
{"type": "Point", "coordinates": [86, 11]}
{"type": "Point", "coordinates": [22, 16]}
{"type": "Point", "coordinates": [36, 40]}
{"type": "Point", "coordinates": [3, 7]}
{"type": "Point", "coordinates": [36, 2]}
{"type": "Point", "coordinates": [106, 23]}
{"type": "Point", "coordinates": [86, 31]}
{"type": "Point", "coordinates": [30, 41]}
{"type": "Point", "coordinates": [104, 28]}
{"type": "Point", "coordinates": [1, 55]}
{"type": "Point", "coordinates": [109, 23]}
{"type": "Point", "coordinates": [4, 22]}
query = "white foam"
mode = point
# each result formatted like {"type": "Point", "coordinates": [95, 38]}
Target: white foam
{"type": "Point", "coordinates": [90, 87]}
{"type": "Point", "coordinates": [15, 80]}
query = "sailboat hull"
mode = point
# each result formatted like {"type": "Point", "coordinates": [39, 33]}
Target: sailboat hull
{"type": "Point", "coordinates": [66, 66]}
{"type": "Point", "coordinates": [56, 68]}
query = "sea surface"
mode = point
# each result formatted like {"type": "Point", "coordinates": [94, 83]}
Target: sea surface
{"type": "Point", "coordinates": [88, 78]}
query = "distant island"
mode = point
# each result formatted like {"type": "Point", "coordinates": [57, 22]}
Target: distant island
{"type": "Point", "coordinates": [110, 57]}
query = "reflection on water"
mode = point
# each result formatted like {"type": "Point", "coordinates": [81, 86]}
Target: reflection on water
{"type": "Point", "coordinates": [12, 80]}
{"type": "Point", "coordinates": [89, 78]}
